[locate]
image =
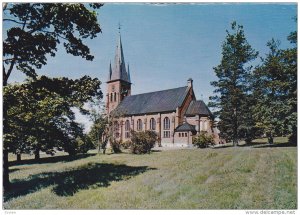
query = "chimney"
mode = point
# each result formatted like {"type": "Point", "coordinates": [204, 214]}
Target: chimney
{"type": "Point", "coordinates": [190, 82]}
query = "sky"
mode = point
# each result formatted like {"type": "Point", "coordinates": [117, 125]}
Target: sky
{"type": "Point", "coordinates": [167, 44]}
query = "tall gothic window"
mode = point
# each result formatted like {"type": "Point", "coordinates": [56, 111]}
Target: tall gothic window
{"type": "Point", "coordinates": [202, 126]}
{"type": "Point", "coordinates": [127, 129]}
{"type": "Point", "coordinates": [111, 97]}
{"type": "Point", "coordinates": [152, 124]}
{"type": "Point", "coordinates": [115, 97]}
{"type": "Point", "coordinates": [166, 127]}
{"type": "Point", "coordinates": [139, 125]}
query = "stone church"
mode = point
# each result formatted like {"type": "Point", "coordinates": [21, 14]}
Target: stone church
{"type": "Point", "coordinates": [174, 114]}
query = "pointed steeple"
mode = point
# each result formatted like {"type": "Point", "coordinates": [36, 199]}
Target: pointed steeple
{"type": "Point", "coordinates": [128, 74]}
{"type": "Point", "coordinates": [110, 72]}
{"type": "Point", "coordinates": [119, 68]}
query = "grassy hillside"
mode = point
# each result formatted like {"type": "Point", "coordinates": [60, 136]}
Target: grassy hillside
{"type": "Point", "coordinates": [225, 178]}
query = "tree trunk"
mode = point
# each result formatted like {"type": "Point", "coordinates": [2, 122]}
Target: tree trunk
{"type": "Point", "coordinates": [270, 139]}
{"type": "Point", "coordinates": [99, 148]}
{"type": "Point", "coordinates": [6, 183]}
{"type": "Point", "coordinates": [235, 142]}
{"type": "Point", "coordinates": [19, 157]}
{"type": "Point", "coordinates": [37, 154]}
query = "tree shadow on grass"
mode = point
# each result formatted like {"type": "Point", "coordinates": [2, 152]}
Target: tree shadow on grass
{"type": "Point", "coordinates": [222, 147]}
{"type": "Point", "coordinates": [287, 144]}
{"type": "Point", "coordinates": [69, 182]}
{"type": "Point", "coordinates": [252, 144]}
{"type": "Point", "coordinates": [13, 170]}
{"type": "Point", "coordinates": [54, 159]}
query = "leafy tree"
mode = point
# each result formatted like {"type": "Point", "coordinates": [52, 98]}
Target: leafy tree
{"type": "Point", "coordinates": [275, 87]}
{"type": "Point", "coordinates": [100, 124]}
{"type": "Point", "coordinates": [290, 67]}
{"type": "Point", "coordinates": [37, 28]}
{"type": "Point", "coordinates": [40, 111]}
{"type": "Point", "coordinates": [33, 33]}
{"type": "Point", "coordinates": [232, 87]}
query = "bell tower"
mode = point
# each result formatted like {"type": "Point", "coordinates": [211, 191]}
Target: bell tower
{"type": "Point", "coordinates": [118, 83]}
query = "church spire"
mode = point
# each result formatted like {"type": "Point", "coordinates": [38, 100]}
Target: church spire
{"type": "Point", "coordinates": [128, 73]}
{"type": "Point", "coordinates": [110, 72]}
{"type": "Point", "coordinates": [119, 68]}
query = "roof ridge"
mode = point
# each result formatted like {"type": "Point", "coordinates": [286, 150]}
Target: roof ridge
{"type": "Point", "coordinates": [159, 91]}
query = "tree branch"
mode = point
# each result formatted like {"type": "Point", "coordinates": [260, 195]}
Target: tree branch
{"type": "Point", "coordinates": [12, 20]}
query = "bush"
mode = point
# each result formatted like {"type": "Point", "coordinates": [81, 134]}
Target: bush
{"type": "Point", "coordinates": [142, 142]}
{"type": "Point", "coordinates": [127, 144]}
{"type": "Point", "coordinates": [203, 140]}
{"type": "Point", "coordinates": [115, 145]}
{"type": "Point", "coordinates": [79, 145]}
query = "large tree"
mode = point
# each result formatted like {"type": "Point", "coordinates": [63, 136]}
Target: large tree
{"type": "Point", "coordinates": [36, 29]}
{"type": "Point", "coordinates": [232, 87]}
{"type": "Point", "coordinates": [33, 32]}
{"type": "Point", "coordinates": [275, 90]}
{"type": "Point", "coordinates": [41, 113]}
{"type": "Point", "coordinates": [99, 126]}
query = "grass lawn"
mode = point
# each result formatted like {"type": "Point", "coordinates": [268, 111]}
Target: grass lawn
{"type": "Point", "coordinates": [224, 178]}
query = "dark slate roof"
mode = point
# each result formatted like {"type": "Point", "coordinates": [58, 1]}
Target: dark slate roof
{"type": "Point", "coordinates": [154, 102]}
{"type": "Point", "coordinates": [185, 127]}
{"type": "Point", "coordinates": [198, 108]}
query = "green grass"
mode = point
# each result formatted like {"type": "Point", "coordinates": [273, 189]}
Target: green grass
{"type": "Point", "coordinates": [225, 178]}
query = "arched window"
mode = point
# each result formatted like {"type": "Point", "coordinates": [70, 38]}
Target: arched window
{"type": "Point", "coordinates": [127, 129]}
{"type": "Point", "coordinates": [179, 134]}
{"type": "Point", "coordinates": [166, 123]}
{"type": "Point", "coordinates": [152, 124]}
{"type": "Point", "coordinates": [139, 125]}
{"type": "Point", "coordinates": [111, 97]}
{"type": "Point", "coordinates": [205, 125]}
{"type": "Point", "coordinates": [201, 125]}
{"type": "Point", "coordinates": [115, 97]}
{"type": "Point", "coordinates": [166, 127]}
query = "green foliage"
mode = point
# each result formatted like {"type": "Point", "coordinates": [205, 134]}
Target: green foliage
{"type": "Point", "coordinates": [80, 145]}
{"type": "Point", "coordinates": [115, 145]}
{"type": "Point", "coordinates": [275, 87]}
{"type": "Point", "coordinates": [35, 31]}
{"type": "Point", "coordinates": [203, 140]}
{"type": "Point", "coordinates": [232, 101]}
{"type": "Point", "coordinates": [126, 144]}
{"type": "Point", "coordinates": [39, 27]}
{"type": "Point", "coordinates": [98, 129]}
{"type": "Point", "coordinates": [143, 141]}
{"type": "Point", "coordinates": [40, 113]}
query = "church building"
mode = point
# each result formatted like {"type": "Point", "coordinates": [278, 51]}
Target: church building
{"type": "Point", "coordinates": [174, 114]}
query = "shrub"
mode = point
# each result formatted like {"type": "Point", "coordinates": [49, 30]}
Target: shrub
{"type": "Point", "coordinates": [115, 145]}
{"type": "Point", "coordinates": [79, 145]}
{"type": "Point", "coordinates": [203, 140]}
{"type": "Point", "coordinates": [126, 144]}
{"type": "Point", "coordinates": [142, 142]}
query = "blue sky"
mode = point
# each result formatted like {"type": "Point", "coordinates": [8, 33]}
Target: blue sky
{"type": "Point", "coordinates": [166, 45]}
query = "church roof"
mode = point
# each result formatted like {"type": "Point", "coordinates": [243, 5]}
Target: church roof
{"type": "Point", "coordinates": [118, 72]}
{"type": "Point", "coordinates": [198, 108]}
{"type": "Point", "coordinates": [185, 127]}
{"type": "Point", "coordinates": [153, 102]}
